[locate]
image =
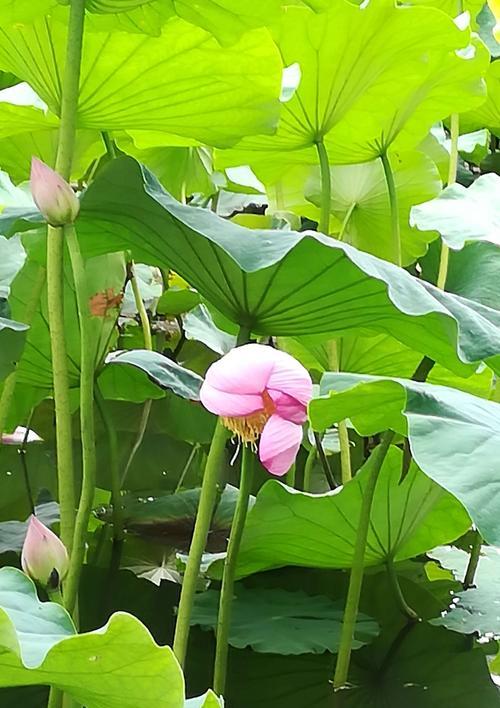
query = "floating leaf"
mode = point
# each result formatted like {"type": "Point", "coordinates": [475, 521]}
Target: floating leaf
{"type": "Point", "coordinates": [277, 621]}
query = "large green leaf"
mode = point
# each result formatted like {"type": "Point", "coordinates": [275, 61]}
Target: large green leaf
{"type": "Point", "coordinates": [461, 214]}
{"type": "Point", "coordinates": [487, 114]}
{"type": "Point", "coordinates": [454, 437]}
{"type": "Point", "coordinates": [360, 202]}
{"type": "Point", "coordinates": [475, 609]}
{"type": "Point", "coordinates": [251, 276]}
{"type": "Point", "coordinates": [117, 665]}
{"type": "Point", "coordinates": [105, 275]}
{"type": "Point", "coordinates": [351, 58]}
{"type": "Point", "coordinates": [277, 621]}
{"type": "Point", "coordinates": [191, 86]}
{"type": "Point", "coordinates": [286, 527]}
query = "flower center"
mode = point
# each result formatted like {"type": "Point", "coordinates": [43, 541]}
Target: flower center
{"type": "Point", "coordinates": [248, 427]}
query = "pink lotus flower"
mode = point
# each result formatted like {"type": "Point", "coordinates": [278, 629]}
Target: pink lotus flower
{"type": "Point", "coordinates": [261, 391]}
{"type": "Point", "coordinates": [44, 557]}
{"type": "Point", "coordinates": [53, 195]}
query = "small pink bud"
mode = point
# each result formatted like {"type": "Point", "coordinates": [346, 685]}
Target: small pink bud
{"type": "Point", "coordinates": [19, 436]}
{"type": "Point", "coordinates": [44, 557]}
{"type": "Point", "coordinates": [53, 195]}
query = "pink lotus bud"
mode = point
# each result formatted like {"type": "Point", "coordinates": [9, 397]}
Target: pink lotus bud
{"type": "Point", "coordinates": [19, 436]}
{"type": "Point", "coordinates": [44, 557]}
{"type": "Point", "coordinates": [53, 195]}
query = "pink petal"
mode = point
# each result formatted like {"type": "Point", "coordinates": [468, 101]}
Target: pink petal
{"type": "Point", "coordinates": [279, 445]}
{"type": "Point", "coordinates": [17, 437]}
{"type": "Point", "coordinates": [289, 408]}
{"type": "Point", "coordinates": [229, 405]}
{"type": "Point", "coordinates": [290, 377]}
{"type": "Point", "coordinates": [243, 370]}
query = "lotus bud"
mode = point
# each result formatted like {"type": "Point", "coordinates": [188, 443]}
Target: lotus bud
{"type": "Point", "coordinates": [44, 557]}
{"type": "Point", "coordinates": [53, 195]}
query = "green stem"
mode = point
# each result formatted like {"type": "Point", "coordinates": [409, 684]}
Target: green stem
{"type": "Point", "coordinates": [6, 399]}
{"type": "Point", "coordinates": [55, 694]}
{"type": "Point", "coordinates": [475, 554]}
{"type": "Point", "coordinates": [87, 421]}
{"type": "Point", "coordinates": [393, 203]}
{"type": "Point", "coordinates": [324, 462]}
{"type": "Point", "coordinates": [55, 276]}
{"type": "Point", "coordinates": [347, 218]}
{"type": "Point", "coordinates": [108, 144]}
{"type": "Point", "coordinates": [345, 446]}
{"type": "Point", "coordinates": [206, 505]}
{"type": "Point", "coordinates": [227, 589]}
{"type": "Point", "coordinates": [452, 178]}
{"type": "Point", "coordinates": [326, 187]}
{"type": "Point", "coordinates": [146, 412]}
{"type": "Point", "coordinates": [141, 309]}
{"type": "Point", "coordinates": [290, 476]}
{"type": "Point", "coordinates": [357, 569]}
{"type": "Point", "coordinates": [308, 468]}
{"type": "Point", "coordinates": [186, 467]}
{"type": "Point", "coordinates": [405, 608]}
{"type": "Point", "coordinates": [114, 468]}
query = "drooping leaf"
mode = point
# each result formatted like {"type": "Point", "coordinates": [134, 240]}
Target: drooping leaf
{"type": "Point", "coordinates": [162, 371]}
{"type": "Point", "coordinates": [117, 665]}
{"type": "Point", "coordinates": [193, 88]}
{"type": "Point", "coordinates": [199, 325]}
{"type": "Point", "coordinates": [360, 202]}
{"type": "Point", "coordinates": [453, 436]}
{"type": "Point", "coordinates": [286, 527]}
{"type": "Point", "coordinates": [277, 621]}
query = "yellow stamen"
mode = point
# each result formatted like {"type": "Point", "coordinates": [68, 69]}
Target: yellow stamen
{"type": "Point", "coordinates": [248, 427]}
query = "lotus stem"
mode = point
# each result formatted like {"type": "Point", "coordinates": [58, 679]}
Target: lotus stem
{"type": "Point", "coordinates": [326, 187]}
{"type": "Point", "coordinates": [405, 608]}
{"type": "Point", "coordinates": [206, 506]}
{"type": "Point", "coordinates": [227, 589]}
{"type": "Point", "coordinates": [358, 561]}
{"type": "Point", "coordinates": [87, 421]}
{"type": "Point", "coordinates": [475, 554]}
{"type": "Point", "coordinates": [452, 178]}
{"type": "Point", "coordinates": [393, 203]}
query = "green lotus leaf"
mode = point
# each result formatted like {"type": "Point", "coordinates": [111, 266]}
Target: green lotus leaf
{"type": "Point", "coordinates": [453, 435]}
{"type": "Point", "coordinates": [351, 59]}
{"type": "Point", "coordinates": [193, 87]}
{"type": "Point", "coordinates": [12, 339]}
{"type": "Point", "coordinates": [119, 664]}
{"type": "Point", "coordinates": [287, 527]}
{"type": "Point", "coordinates": [487, 114]}
{"type": "Point", "coordinates": [276, 621]}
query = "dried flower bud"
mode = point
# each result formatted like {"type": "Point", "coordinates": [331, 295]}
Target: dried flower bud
{"type": "Point", "coordinates": [53, 195]}
{"type": "Point", "coordinates": [44, 557]}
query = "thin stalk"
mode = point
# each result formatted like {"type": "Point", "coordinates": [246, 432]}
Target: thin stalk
{"type": "Point", "coordinates": [114, 468]}
{"type": "Point", "coordinates": [143, 315]}
{"type": "Point", "coordinates": [148, 344]}
{"type": "Point", "coordinates": [308, 468]}
{"type": "Point", "coordinates": [87, 421]}
{"type": "Point", "coordinates": [108, 144]}
{"type": "Point", "coordinates": [475, 554]}
{"type": "Point", "coordinates": [187, 467]}
{"type": "Point", "coordinates": [227, 589]}
{"type": "Point", "coordinates": [6, 399]}
{"type": "Point", "coordinates": [393, 203]}
{"type": "Point", "coordinates": [452, 178]}
{"type": "Point", "coordinates": [345, 446]}
{"type": "Point", "coordinates": [347, 218]}
{"type": "Point", "coordinates": [357, 569]}
{"type": "Point", "coordinates": [146, 412]}
{"type": "Point", "coordinates": [326, 188]}
{"type": "Point", "coordinates": [206, 505]}
{"type": "Point", "coordinates": [405, 608]}
{"type": "Point", "coordinates": [55, 694]}
{"type": "Point", "coordinates": [324, 462]}
{"type": "Point", "coordinates": [55, 276]}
